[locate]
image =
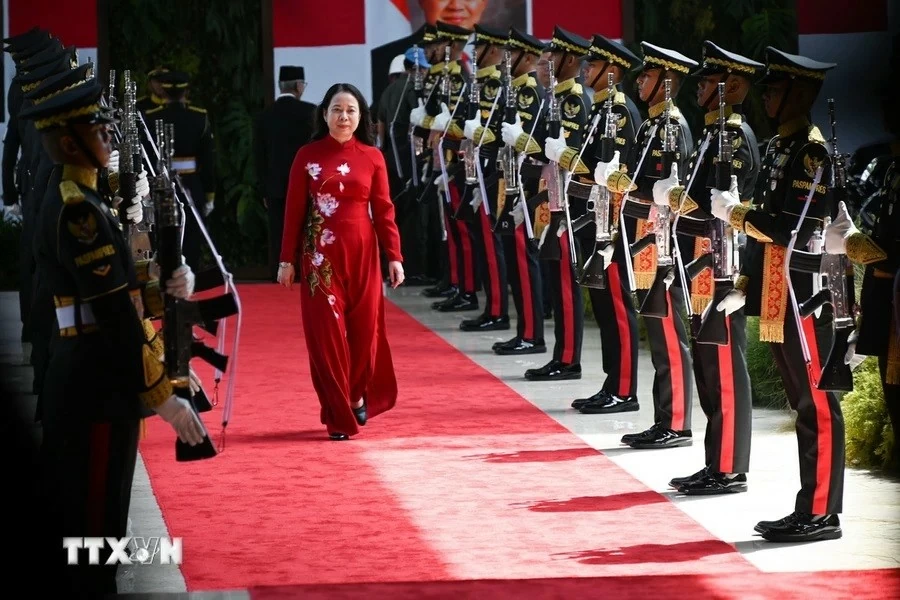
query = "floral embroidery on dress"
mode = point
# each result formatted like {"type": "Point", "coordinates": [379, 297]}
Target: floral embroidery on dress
{"type": "Point", "coordinates": [327, 237]}
{"type": "Point", "coordinates": [344, 169]}
{"type": "Point", "coordinates": [327, 204]}
{"type": "Point", "coordinates": [313, 169]}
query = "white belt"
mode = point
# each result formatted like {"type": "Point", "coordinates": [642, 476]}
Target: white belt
{"type": "Point", "coordinates": [184, 165]}
{"type": "Point", "coordinates": [65, 316]}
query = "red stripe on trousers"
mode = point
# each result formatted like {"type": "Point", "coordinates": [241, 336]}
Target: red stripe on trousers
{"type": "Point", "coordinates": [451, 249]}
{"type": "Point", "coordinates": [823, 427]}
{"type": "Point", "coordinates": [525, 284]}
{"type": "Point", "coordinates": [468, 261]}
{"type": "Point", "coordinates": [618, 301]}
{"type": "Point", "coordinates": [490, 256]}
{"type": "Point", "coordinates": [726, 395]}
{"type": "Point", "coordinates": [98, 455]}
{"type": "Point", "coordinates": [565, 279]}
{"type": "Point", "coordinates": [676, 370]}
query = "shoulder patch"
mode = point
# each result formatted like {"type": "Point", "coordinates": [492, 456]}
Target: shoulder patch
{"type": "Point", "coordinates": [155, 109]}
{"type": "Point", "coordinates": [577, 89]}
{"type": "Point", "coordinates": [619, 99]}
{"type": "Point", "coordinates": [70, 192]}
{"type": "Point", "coordinates": [734, 121]}
{"type": "Point", "coordinates": [197, 109]}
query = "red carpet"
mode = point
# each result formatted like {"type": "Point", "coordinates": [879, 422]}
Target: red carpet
{"type": "Point", "coordinates": [463, 480]}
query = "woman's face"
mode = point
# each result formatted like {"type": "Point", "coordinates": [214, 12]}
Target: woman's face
{"type": "Point", "coordinates": [463, 13]}
{"type": "Point", "coordinates": [342, 115]}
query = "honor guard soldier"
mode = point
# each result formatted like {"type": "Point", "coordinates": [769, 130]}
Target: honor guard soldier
{"type": "Point", "coordinates": [796, 168]}
{"type": "Point", "coordinates": [102, 369]}
{"type": "Point", "coordinates": [719, 344]}
{"type": "Point", "coordinates": [612, 305]}
{"type": "Point", "coordinates": [662, 146]}
{"type": "Point", "coordinates": [439, 110]}
{"type": "Point", "coordinates": [157, 96]}
{"type": "Point", "coordinates": [526, 136]}
{"type": "Point", "coordinates": [479, 122]}
{"type": "Point", "coordinates": [570, 115]}
{"type": "Point", "coordinates": [879, 252]}
{"type": "Point", "coordinates": [194, 159]}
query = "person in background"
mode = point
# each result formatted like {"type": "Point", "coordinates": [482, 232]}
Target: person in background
{"type": "Point", "coordinates": [278, 132]}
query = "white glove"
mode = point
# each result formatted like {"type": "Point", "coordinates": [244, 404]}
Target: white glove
{"type": "Point", "coordinates": [178, 413]}
{"type": "Point", "coordinates": [554, 147]}
{"type": "Point", "coordinates": [732, 301]}
{"type": "Point", "coordinates": [208, 207]}
{"type": "Point", "coordinates": [470, 127]}
{"type": "Point", "coordinates": [442, 120]}
{"type": "Point", "coordinates": [851, 345]}
{"type": "Point", "coordinates": [662, 187]}
{"type": "Point", "coordinates": [476, 199]}
{"type": "Point", "coordinates": [607, 253]}
{"type": "Point", "coordinates": [196, 384]}
{"type": "Point", "coordinates": [724, 202]}
{"type": "Point", "coordinates": [511, 131]}
{"type": "Point", "coordinates": [838, 231]}
{"type": "Point", "coordinates": [12, 214]}
{"type": "Point", "coordinates": [135, 212]}
{"type": "Point", "coordinates": [603, 171]}
{"type": "Point", "coordinates": [113, 165]}
{"type": "Point", "coordinates": [142, 186]}
{"type": "Point", "coordinates": [440, 182]}
{"type": "Point", "coordinates": [417, 115]}
{"type": "Point", "coordinates": [181, 285]}
{"type": "Point", "coordinates": [670, 278]}
{"type": "Point", "coordinates": [518, 213]}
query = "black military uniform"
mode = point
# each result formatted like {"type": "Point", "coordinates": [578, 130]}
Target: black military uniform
{"type": "Point", "coordinates": [488, 111]}
{"type": "Point", "coordinates": [786, 179]}
{"type": "Point", "coordinates": [194, 159]}
{"type": "Point", "coordinates": [279, 131]}
{"type": "Point", "coordinates": [461, 252]}
{"type": "Point", "coordinates": [880, 253]}
{"type": "Point", "coordinates": [102, 367]}
{"type": "Point", "coordinates": [723, 382]}
{"type": "Point", "coordinates": [613, 308]}
{"type": "Point", "coordinates": [519, 248]}
{"type": "Point", "coordinates": [666, 335]}
{"type": "Point", "coordinates": [568, 308]}
{"type": "Point", "coordinates": [46, 182]}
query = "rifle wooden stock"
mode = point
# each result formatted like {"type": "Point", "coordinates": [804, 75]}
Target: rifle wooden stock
{"type": "Point", "coordinates": [837, 376]}
{"type": "Point", "coordinates": [593, 275]}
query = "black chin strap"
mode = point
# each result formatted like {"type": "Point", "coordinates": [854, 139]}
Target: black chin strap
{"type": "Point", "coordinates": [784, 99]}
{"type": "Point", "coordinates": [716, 95]}
{"type": "Point", "coordinates": [560, 65]}
{"type": "Point", "coordinates": [599, 75]}
{"type": "Point", "coordinates": [515, 64]}
{"type": "Point", "coordinates": [83, 147]}
{"type": "Point", "coordinates": [659, 81]}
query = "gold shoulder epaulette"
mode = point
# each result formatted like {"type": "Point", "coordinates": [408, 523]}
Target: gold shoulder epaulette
{"type": "Point", "coordinates": [734, 121]}
{"type": "Point", "coordinates": [531, 82]}
{"type": "Point", "coordinates": [675, 112]}
{"type": "Point", "coordinates": [70, 192]}
{"type": "Point", "coordinates": [197, 109]}
{"type": "Point", "coordinates": [619, 98]}
{"type": "Point", "coordinates": [577, 89]}
{"type": "Point", "coordinates": [815, 135]}
{"type": "Point", "coordinates": [155, 109]}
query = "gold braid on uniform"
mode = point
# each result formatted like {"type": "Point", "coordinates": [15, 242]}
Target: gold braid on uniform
{"type": "Point", "coordinates": [741, 284]}
{"type": "Point", "coordinates": [484, 135]}
{"type": "Point", "coordinates": [154, 305]}
{"type": "Point", "coordinates": [527, 144]}
{"type": "Point", "coordinates": [113, 181]}
{"type": "Point", "coordinates": [620, 183]}
{"type": "Point", "coordinates": [159, 388]}
{"type": "Point", "coordinates": [862, 250]}
{"type": "Point", "coordinates": [570, 161]}
{"type": "Point", "coordinates": [680, 202]}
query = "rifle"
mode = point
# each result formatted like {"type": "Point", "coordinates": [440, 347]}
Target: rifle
{"type": "Point", "coordinates": [834, 273]}
{"type": "Point", "coordinates": [555, 178]}
{"type": "Point", "coordinates": [593, 275]}
{"type": "Point", "coordinates": [467, 146]}
{"type": "Point", "coordinates": [656, 302]}
{"type": "Point", "coordinates": [415, 142]}
{"type": "Point", "coordinates": [130, 161]}
{"type": "Point", "coordinates": [179, 315]}
{"type": "Point", "coordinates": [723, 244]}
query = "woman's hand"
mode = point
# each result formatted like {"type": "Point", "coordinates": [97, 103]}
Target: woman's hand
{"type": "Point", "coordinates": [286, 275]}
{"type": "Point", "coordinates": [395, 270]}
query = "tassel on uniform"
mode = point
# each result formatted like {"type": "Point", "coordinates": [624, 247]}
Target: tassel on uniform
{"type": "Point", "coordinates": [771, 331]}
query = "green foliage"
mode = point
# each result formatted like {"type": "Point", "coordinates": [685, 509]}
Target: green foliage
{"type": "Point", "coordinates": [10, 233]}
{"type": "Point", "coordinates": [869, 435]}
{"type": "Point", "coordinates": [220, 45]}
{"type": "Point", "coordinates": [742, 26]}
{"type": "Point", "coordinates": [768, 389]}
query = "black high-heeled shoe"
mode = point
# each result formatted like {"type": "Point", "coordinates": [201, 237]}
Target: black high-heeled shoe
{"type": "Point", "coordinates": [338, 437]}
{"type": "Point", "coordinates": [360, 414]}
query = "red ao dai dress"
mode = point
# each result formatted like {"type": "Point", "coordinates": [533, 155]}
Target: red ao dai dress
{"type": "Point", "coordinates": [333, 241]}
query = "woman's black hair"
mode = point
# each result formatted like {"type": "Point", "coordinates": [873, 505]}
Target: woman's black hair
{"type": "Point", "coordinates": [365, 132]}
